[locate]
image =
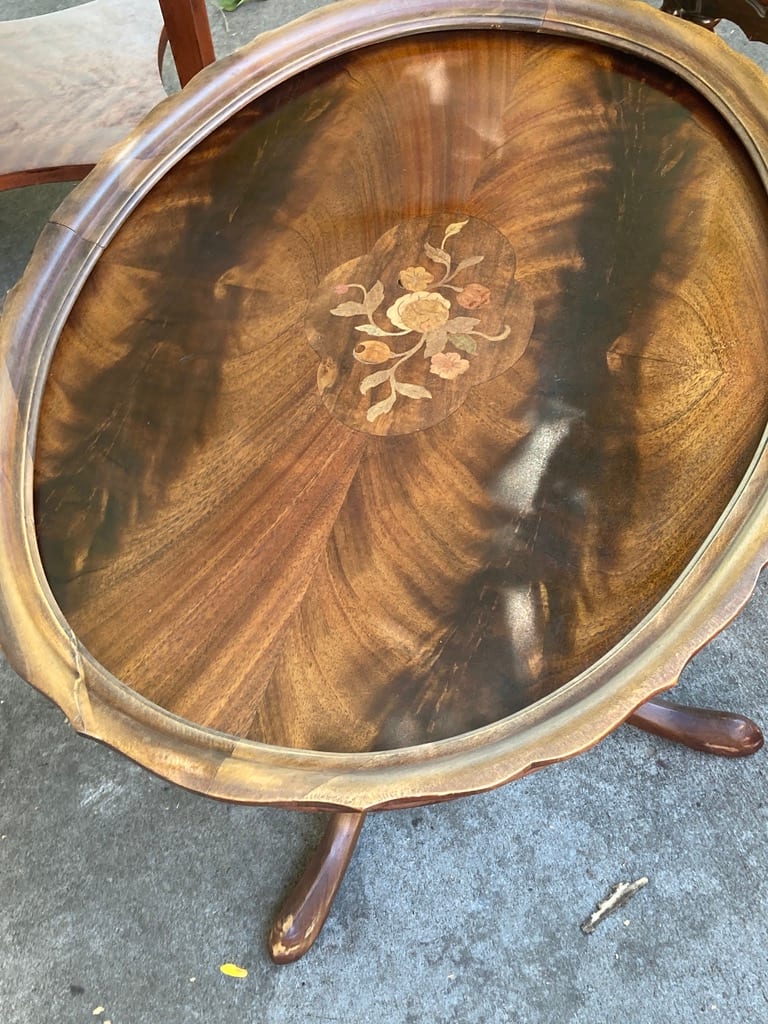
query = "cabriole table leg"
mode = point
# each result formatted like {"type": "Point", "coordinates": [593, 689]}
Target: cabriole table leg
{"type": "Point", "coordinates": [714, 732]}
{"type": "Point", "coordinates": [305, 910]}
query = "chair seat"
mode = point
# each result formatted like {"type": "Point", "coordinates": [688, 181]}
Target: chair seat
{"type": "Point", "coordinates": [62, 114]}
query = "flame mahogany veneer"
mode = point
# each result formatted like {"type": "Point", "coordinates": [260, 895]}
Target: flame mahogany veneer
{"type": "Point", "coordinates": [386, 419]}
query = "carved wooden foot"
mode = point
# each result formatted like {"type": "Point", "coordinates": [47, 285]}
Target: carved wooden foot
{"type": "Point", "coordinates": [714, 732]}
{"type": "Point", "coordinates": [304, 912]}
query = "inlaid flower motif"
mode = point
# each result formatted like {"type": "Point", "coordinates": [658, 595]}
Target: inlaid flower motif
{"type": "Point", "coordinates": [473, 296]}
{"type": "Point", "coordinates": [442, 325]}
{"type": "Point", "coordinates": [416, 279]}
{"type": "Point", "coordinates": [448, 365]}
{"type": "Point", "coordinates": [420, 311]}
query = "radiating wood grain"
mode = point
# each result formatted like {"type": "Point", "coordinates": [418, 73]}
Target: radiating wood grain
{"type": "Point", "coordinates": [507, 457]}
{"type": "Point", "coordinates": [249, 557]}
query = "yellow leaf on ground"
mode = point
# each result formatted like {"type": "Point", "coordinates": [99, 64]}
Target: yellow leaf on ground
{"type": "Point", "coordinates": [233, 971]}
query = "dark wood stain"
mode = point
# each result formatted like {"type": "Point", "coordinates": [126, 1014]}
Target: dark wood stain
{"type": "Point", "coordinates": [230, 548]}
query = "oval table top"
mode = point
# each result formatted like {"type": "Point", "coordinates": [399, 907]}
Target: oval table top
{"type": "Point", "coordinates": [412, 396]}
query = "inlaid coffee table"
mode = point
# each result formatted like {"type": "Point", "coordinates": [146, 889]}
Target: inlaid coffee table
{"type": "Point", "coordinates": [385, 418]}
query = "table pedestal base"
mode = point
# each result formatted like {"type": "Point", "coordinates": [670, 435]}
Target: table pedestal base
{"type": "Point", "coordinates": [307, 906]}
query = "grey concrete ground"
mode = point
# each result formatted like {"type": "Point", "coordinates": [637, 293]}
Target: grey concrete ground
{"type": "Point", "coordinates": [121, 892]}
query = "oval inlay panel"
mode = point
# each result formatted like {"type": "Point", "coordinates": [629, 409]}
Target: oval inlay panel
{"type": "Point", "coordinates": [431, 311]}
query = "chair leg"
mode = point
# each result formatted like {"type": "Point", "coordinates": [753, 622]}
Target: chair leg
{"type": "Point", "coordinates": [690, 10]}
{"type": "Point", "coordinates": [189, 34]}
{"type": "Point", "coordinates": [714, 732]}
{"type": "Point", "coordinates": [305, 910]}
{"type": "Point", "coordinates": [749, 15]}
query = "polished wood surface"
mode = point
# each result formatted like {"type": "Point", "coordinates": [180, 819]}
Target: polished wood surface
{"type": "Point", "coordinates": [281, 568]}
{"type": "Point", "coordinates": [284, 510]}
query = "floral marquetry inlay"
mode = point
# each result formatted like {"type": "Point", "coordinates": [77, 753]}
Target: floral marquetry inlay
{"type": "Point", "coordinates": [406, 331]}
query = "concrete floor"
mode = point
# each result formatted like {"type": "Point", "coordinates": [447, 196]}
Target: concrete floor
{"type": "Point", "coordinates": [124, 893]}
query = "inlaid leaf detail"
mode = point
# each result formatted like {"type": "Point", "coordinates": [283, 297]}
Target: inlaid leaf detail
{"type": "Point", "coordinates": [437, 255]}
{"type": "Point", "coordinates": [412, 391]}
{"type": "Point", "coordinates": [471, 261]}
{"type": "Point", "coordinates": [349, 309]}
{"type": "Point", "coordinates": [435, 342]}
{"type": "Point", "coordinates": [380, 408]}
{"type": "Point", "coordinates": [373, 380]}
{"type": "Point", "coordinates": [454, 229]}
{"type": "Point", "coordinates": [461, 324]}
{"type": "Point", "coordinates": [373, 329]}
{"type": "Point", "coordinates": [374, 298]}
{"type": "Point", "coordinates": [465, 342]}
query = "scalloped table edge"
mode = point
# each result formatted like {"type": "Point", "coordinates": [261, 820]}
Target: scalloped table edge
{"type": "Point", "coordinates": [43, 649]}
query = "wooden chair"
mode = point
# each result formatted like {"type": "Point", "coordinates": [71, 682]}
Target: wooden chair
{"type": "Point", "coordinates": [77, 81]}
